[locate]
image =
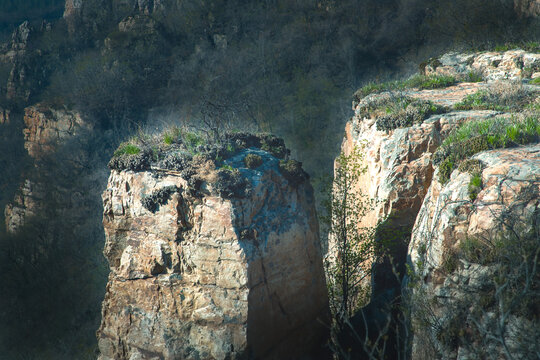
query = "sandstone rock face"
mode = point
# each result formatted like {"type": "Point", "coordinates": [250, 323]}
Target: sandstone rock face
{"type": "Point", "coordinates": [209, 277]}
{"type": "Point", "coordinates": [508, 201]}
{"type": "Point", "coordinates": [45, 129]}
{"type": "Point", "coordinates": [511, 65]}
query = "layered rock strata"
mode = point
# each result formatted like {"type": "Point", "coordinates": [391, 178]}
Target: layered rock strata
{"type": "Point", "coordinates": [204, 276]}
{"type": "Point", "coordinates": [398, 161]}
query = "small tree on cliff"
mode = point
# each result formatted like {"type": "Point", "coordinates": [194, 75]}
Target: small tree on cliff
{"type": "Point", "coordinates": [350, 247]}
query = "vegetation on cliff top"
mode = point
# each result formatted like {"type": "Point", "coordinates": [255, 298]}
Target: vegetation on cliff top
{"type": "Point", "coordinates": [476, 136]}
{"type": "Point", "coordinates": [194, 153]}
{"type": "Point", "coordinates": [417, 81]}
{"type": "Point", "coordinates": [500, 96]}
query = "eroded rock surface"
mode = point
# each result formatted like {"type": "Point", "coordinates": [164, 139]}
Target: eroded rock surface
{"type": "Point", "coordinates": [212, 278]}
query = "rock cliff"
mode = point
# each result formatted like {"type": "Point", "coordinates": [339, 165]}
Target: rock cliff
{"type": "Point", "coordinates": [201, 270]}
{"type": "Point", "coordinates": [45, 130]}
{"type": "Point", "coordinates": [407, 134]}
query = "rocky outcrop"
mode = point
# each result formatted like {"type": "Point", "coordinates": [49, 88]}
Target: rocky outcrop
{"type": "Point", "coordinates": [510, 65]}
{"type": "Point", "coordinates": [198, 275]}
{"type": "Point", "coordinates": [454, 250]}
{"type": "Point", "coordinates": [86, 17]}
{"type": "Point", "coordinates": [45, 130]}
{"type": "Point", "coordinates": [45, 127]}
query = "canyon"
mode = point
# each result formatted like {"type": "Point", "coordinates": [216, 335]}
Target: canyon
{"type": "Point", "coordinates": [211, 239]}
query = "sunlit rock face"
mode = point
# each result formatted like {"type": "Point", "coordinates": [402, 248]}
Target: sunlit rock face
{"type": "Point", "coordinates": [461, 291]}
{"type": "Point", "coordinates": [398, 161]}
{"type": "Point", "coordinates": [46, 129]}
{"type": "Point", "coordinates": [208, 277]}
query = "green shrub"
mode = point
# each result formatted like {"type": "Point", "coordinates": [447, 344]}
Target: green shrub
{"type": "Point", "coordinates": [416, 81]}
{"type": "Point", "coordinates": [535, 81]}
{"type": "Point", "coordinates": [474, 77]}
{"type": "Point", "coordinates": [475, 186]}
{"type": "Point", "coordinates": [293, 172]}
{"type": "Point", "coordinates": [530, 46]}
{"type": "Point", "coordinates": [127, 149]}
{"type": "Point", "coordinates": [445, 170]}
{"type": "Point", "coordinates": [227, 167]}
{"type": "Point", "coordinates": [430, 82]}
{"type": "Point", "coordinates": [450, 262]}
{"type": "Point", "coordinates": [253, 161]}
{"type": "Point", "coordinates": [192, 140]}
{"type": "Point", "coordinates": [172, 136]}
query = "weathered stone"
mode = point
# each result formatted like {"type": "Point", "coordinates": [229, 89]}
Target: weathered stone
{"type": "Point", "coordinates": [400, 170]}
{"type": "Point", "coordinates": [212, 278]}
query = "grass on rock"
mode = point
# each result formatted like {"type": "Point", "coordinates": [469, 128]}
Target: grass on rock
{"type": "Point", "coordinates": [476, 136]}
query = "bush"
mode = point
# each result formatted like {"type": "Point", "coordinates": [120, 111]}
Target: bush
{"type": "Point", "coordinates": [430, 82]}
{"type": "Point", "coordinates": [231, 184]}
{"type": "Point", "coordinates": [127, 149]}
{"type": "Point", "coordinates": [253, 161]}
{"type": "Point", "coordinates": [475, 186]}
{"type": "Point", "coordinates": [474, 77]}
{"type": "Point", "coordinates": [417, 81]}
{"type": "Point", "coordinates": [405, 112]}
{"type": "Point", "coordinates": [159, 197]}
{"type": "Point", "coordinates": [293, 172]}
